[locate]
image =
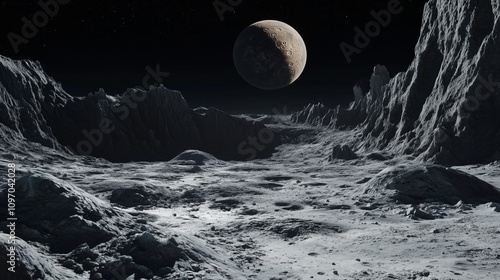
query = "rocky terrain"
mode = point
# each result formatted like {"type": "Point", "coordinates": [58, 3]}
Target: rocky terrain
{"type": "Point", "coordinates": [445, 107]}
{"type": "Point", "coordinates": [198, 217]}
{"type": "Point", "coordinates": [403, 184]}
{"type": "Point", "coordinates": [154, 124]}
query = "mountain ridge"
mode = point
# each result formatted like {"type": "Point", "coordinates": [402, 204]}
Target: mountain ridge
{"type": "Point", "coordinates": [445, 108]}
{"type": "Point", "coordinates": [140, 125]}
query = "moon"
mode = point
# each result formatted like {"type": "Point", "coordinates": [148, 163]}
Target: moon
{"type": "Point", "coordinates": [269, 54]}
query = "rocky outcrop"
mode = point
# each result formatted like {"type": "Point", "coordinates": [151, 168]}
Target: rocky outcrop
{"type": "Point", "coordinates": [88, 236]}
{"type": "Point", "coordinates": [139, 125]}
{"type": "Point", "coordinates": [26, 94]}
{"type": "Point", "coordinates": [413, 184]}
{"type": "Point", "coordinates": [29, 263]}
{"type": "Point", "coordinates": [315, 114]}
{"type": "Point", "coordinates": [343, 152]}
{"type": "Point", "coordinates": [61, 215]}
{"type": "Point", "coordinates": [446, 107]}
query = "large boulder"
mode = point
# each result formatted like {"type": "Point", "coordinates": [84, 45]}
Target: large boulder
{"type": "Point", "coordinates": [417, 183]}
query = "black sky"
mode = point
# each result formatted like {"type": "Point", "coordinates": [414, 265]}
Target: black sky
{"type": "Point", "coordinates": [92, 44]}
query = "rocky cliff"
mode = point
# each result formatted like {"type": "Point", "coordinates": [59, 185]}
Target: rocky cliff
{"type": "Point", "coordinates": [26, 93]}
{"type": "Point", "coordinates": [446, 107]}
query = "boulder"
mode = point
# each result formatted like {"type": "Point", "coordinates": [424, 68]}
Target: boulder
{"type": "Point", "coordinates": [416, 183]}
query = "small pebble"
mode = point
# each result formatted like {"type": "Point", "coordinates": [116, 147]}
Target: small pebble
{"type": "Point", "coordinates": [425, 273]}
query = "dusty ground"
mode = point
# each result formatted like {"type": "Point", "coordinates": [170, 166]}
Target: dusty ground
{"type": "Point", "coordinates": [295, 215]}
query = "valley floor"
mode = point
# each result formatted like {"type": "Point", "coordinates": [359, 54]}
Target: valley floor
{"type": "Point", "coordinates": [295, 215]}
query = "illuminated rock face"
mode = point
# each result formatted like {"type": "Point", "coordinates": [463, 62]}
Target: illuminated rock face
{"type": "Point", "coordinates": [445, 107]}
{"type": "Point", "coordinates": [26, 92]}
{"type": "Point", "coordinates": [139, 125]}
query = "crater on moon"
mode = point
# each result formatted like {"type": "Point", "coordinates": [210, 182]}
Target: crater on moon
{"type": "Point", "coordinates": [269, 54]}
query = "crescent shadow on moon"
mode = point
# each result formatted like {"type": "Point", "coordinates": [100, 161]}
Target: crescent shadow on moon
{"type": "Point", "coordinates": [268, 55]}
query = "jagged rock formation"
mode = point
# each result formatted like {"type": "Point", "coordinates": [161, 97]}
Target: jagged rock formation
{"type": "Point", "coordinates": [140, 125]}
{"type": "Point", "coordinates": [412, 184]}
{"type": "Point", "coordinates": [343, 152]}
{"type": "Point", "coordinates": [26, 93]}
{"type": "Point", "coordinates": [446, 107]}
{"type": "Point", "coordinates": [315, 114]}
